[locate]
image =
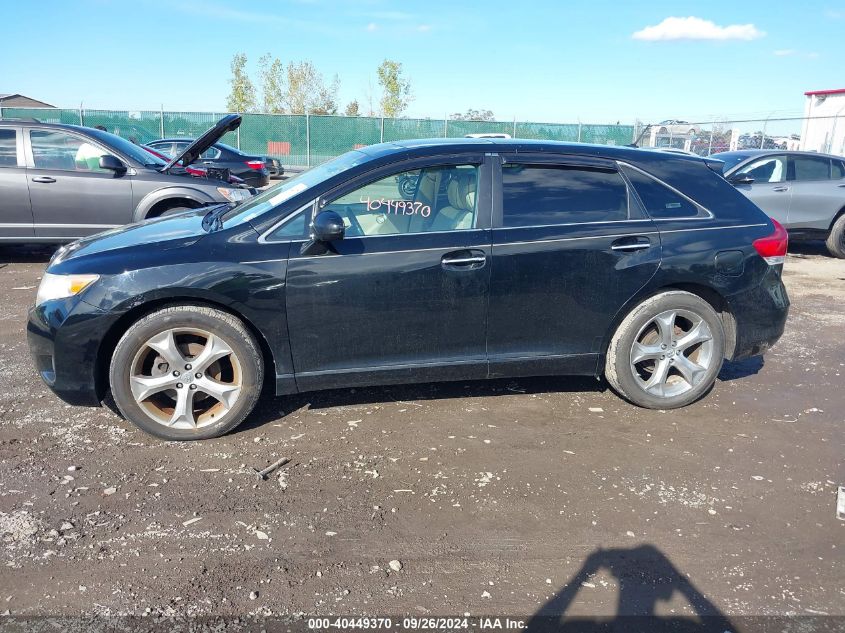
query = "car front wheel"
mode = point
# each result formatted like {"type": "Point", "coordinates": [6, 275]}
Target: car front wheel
{"type": "Point", "coordinates": [667, 352]}
{"type": "Point", "coordinates": [186, 373]}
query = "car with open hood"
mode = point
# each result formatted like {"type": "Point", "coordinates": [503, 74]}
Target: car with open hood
{"type": "Point", "coordinates": [505, 258]}
{"type": "Point", "coordinates": [61, 182]}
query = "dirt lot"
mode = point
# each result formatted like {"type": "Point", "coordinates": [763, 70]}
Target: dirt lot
{"type": "Point", "coordinates": [508, 497]}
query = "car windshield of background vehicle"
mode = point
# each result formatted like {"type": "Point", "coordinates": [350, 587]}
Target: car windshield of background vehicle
{"type": "Point", "coordinates": [127, 148]}
{"type": "Point", "coordinates": [658, 199]}
{"type": "Point", "coordinates": [276, 195]}
{"type": "Point", "coordinates": [8, 148]}
{"type": "Point", "coordinates": [540, 195]}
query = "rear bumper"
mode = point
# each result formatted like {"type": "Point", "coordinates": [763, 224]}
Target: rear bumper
{"type": "Point", "coordinates": [760, 316]}
{"type": "Point", "coordinates": [64, 337]}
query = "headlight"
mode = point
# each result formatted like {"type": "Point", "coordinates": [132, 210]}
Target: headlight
{"type": "Point", "coordinates": [62, 286]}
{"type": "Point", "coordinates": [233, 195]}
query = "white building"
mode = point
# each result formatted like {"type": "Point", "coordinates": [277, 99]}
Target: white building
{"type": "Point", "coordinates": [824, 123]}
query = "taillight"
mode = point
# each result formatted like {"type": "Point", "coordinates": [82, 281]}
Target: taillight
{"type": "Point", "coordinates": [772, 248]}
{"type": "Point", "coordinates": [255, 164]}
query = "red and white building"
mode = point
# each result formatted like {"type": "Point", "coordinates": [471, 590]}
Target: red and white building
{"type": "Point", "coordinates": [823, 129]}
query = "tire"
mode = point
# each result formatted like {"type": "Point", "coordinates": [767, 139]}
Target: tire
{"type": "Point", "coordinates": [228, 363]}
{"type": "Point", "coordinates": [172, 211]}
{"type": "Point", "coordinates": [647, 325]}
{"type": "Point", "coordinates": [836, 240]}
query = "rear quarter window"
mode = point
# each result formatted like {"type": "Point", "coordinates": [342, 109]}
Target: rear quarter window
{"type": "Point", "coordinates": [659, 200]}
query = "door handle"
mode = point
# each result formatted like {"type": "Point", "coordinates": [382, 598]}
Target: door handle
{"type": "Point", "coordinates": [467, 259]}
{"type": "Point", "coordinates": [631, 244]}
{"type": "Point", "coordinates": [44, 179]}
{"type": "Point", "coordinates": [780, 188]}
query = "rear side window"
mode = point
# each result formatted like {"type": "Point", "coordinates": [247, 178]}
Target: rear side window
{"type": "Point", "coordinates": [8, 148]}
{"type": "Point", "coordinates": [660, 201]}
{"type": "Point", "coordinates": [838, 170]}
{"type": "Point", "coordinates": [540, 195]}
{"type": "Point", "coordinates": [811, 168]}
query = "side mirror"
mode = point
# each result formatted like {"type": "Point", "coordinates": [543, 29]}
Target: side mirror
{"type": "Point", "coordinates": [112, 163]}
{"type": "Point", "coordinates": [741, 179]}
{"type": "Point", "coordinates": [327, 227]}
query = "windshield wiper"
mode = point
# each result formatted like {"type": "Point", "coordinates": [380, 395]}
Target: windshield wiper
{"type": "Point", "coordinates": [213, 219]}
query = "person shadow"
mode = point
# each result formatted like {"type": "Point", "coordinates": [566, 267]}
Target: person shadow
{"type": "Point", "coordinates": [645, 577]}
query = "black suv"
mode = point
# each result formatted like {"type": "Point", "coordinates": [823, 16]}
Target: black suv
{"type": "Point", "coordinates": [505, 258]}
{"type": "Point", "coordinates": [61, 182]}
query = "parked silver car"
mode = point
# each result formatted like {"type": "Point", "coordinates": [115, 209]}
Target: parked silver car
{"type": "Point", "coordinates": [804, 191]}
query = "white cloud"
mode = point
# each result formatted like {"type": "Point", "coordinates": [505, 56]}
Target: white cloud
{"type": "Point", "coordinates": [791, 52]}
{"type": "Point", "coordinates": [424, 28]}
{"type": "Point", "coordinates": [372, 26]}
{"type": "Point", "coordinates": [692, 28]}
{"type": "Point", "coordinates": [785, 52]}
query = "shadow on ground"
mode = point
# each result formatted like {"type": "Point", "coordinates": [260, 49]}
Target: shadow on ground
{"type": "Point", "coordinates": [644, 578]}
{"type": "Point", "coordinates": [271, 408]}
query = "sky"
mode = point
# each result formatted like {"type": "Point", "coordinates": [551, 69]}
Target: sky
{"type": "Point", "coordinates": [544, 60]}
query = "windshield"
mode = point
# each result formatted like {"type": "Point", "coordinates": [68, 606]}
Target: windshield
{"type": "Point", "coordinates": [730, 159]}
{"type": "Point", "coordinates": [274, 196]}
{"type": "Point", "coordinates": [127, 148]}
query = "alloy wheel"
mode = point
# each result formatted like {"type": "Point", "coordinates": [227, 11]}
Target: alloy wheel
{"type": "Point", "coordinates": [185, 378]}
{"type": "Point", "coordinates": [672, 353]}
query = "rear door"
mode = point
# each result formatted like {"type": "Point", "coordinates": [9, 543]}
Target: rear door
{"type": "Point", "coordinates": [570, 247]}
{"type": "Point", "coordinates": [15, 209]}
{"type": "Point", "coordinates": [403, 297]}
{"type": "Point", "coordinates": [770, 190]}
{"type": "Point", "coordinates": [71, 195]}
{"type": "Point", "coordinates": [816, 197]}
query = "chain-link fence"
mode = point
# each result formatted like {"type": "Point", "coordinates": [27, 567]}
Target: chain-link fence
{"type": "Point", "coordinates": [304, 140]}
{"type": "Point", "coordinates": [815, 134]}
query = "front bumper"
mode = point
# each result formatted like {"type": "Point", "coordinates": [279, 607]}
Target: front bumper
{"type": "Point", "coordinates": [760, 316]}
{"type": "Point", "coordinates": [64, 339]}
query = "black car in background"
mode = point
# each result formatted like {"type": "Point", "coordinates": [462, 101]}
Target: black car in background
{"type": "Point", "coordinates": [508, 258]}
{"type": "Point", "coordinates": [60, 182]}
{"type": "Point", "coordinates": [254, 170]}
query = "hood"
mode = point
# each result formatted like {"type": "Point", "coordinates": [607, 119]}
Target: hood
{"type": "Point", "coordinates": [228, 123]}
{"type": "Point", "coordinates": [166, 233]}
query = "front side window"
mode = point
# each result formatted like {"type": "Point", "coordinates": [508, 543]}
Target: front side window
{"type": "Point", "coordinates": [769, 169]}
{"type": "Point", "coordinates": [54, 149]}
{"type": "Point", "coordinates": [441, 198]}
{"type": "Point", "coordinates": [8, 148]}
{"type": "Point", "coordinates": [540, 195]}
{"type": "Point", "coordinates": [660, 201]}
{"type": "Point", "coordinates": [211, 153]}
{"type": "Point", "coordinates": [811, 168]}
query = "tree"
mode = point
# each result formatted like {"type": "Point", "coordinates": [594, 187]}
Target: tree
{"type": "Point", "coordinates": [396, 88]}
{"type": "Point", "coordinates": [352, 108]}
{"type": "Point", "coordinates": [242, 96]}
{"type": "Point", "coordinates": [473, 115]}
{"type": "Point", "coordinates": [307, 92]}
{"type": "Point", "coordinates": [272, 84]}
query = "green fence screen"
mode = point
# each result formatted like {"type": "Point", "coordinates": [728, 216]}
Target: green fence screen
{"type": "Point", "coordinates": [300, 141]}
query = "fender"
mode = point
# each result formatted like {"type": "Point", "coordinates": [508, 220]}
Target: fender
{"type": "Point", "coordinates": [154, 197]}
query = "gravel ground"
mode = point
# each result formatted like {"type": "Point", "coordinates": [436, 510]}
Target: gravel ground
{"type": "Point", "coordinates": [513, 497]}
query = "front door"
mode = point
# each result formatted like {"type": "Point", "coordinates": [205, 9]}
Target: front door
{"type": "Point", "coordinates": [570, 248]}
{"type": "Point", "coordinates": [15, 209]}
{"type": "Point", "coordinates": [403, 297]}
{"type": "Point", "coordinates": [71, 195]}
{"type": "Point", "coordinates": [770, 190]}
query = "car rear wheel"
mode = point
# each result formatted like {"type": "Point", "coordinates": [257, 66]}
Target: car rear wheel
{"type": "Point", "coordinates": [186, 373]}
{"type": "Point", "coordinates": [836, 240]}
{"type": "Point", "coordinates": [667, 352]}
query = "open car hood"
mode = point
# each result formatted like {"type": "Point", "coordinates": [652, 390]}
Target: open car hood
{"type": "Point", "coordinates": [228, 123]}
